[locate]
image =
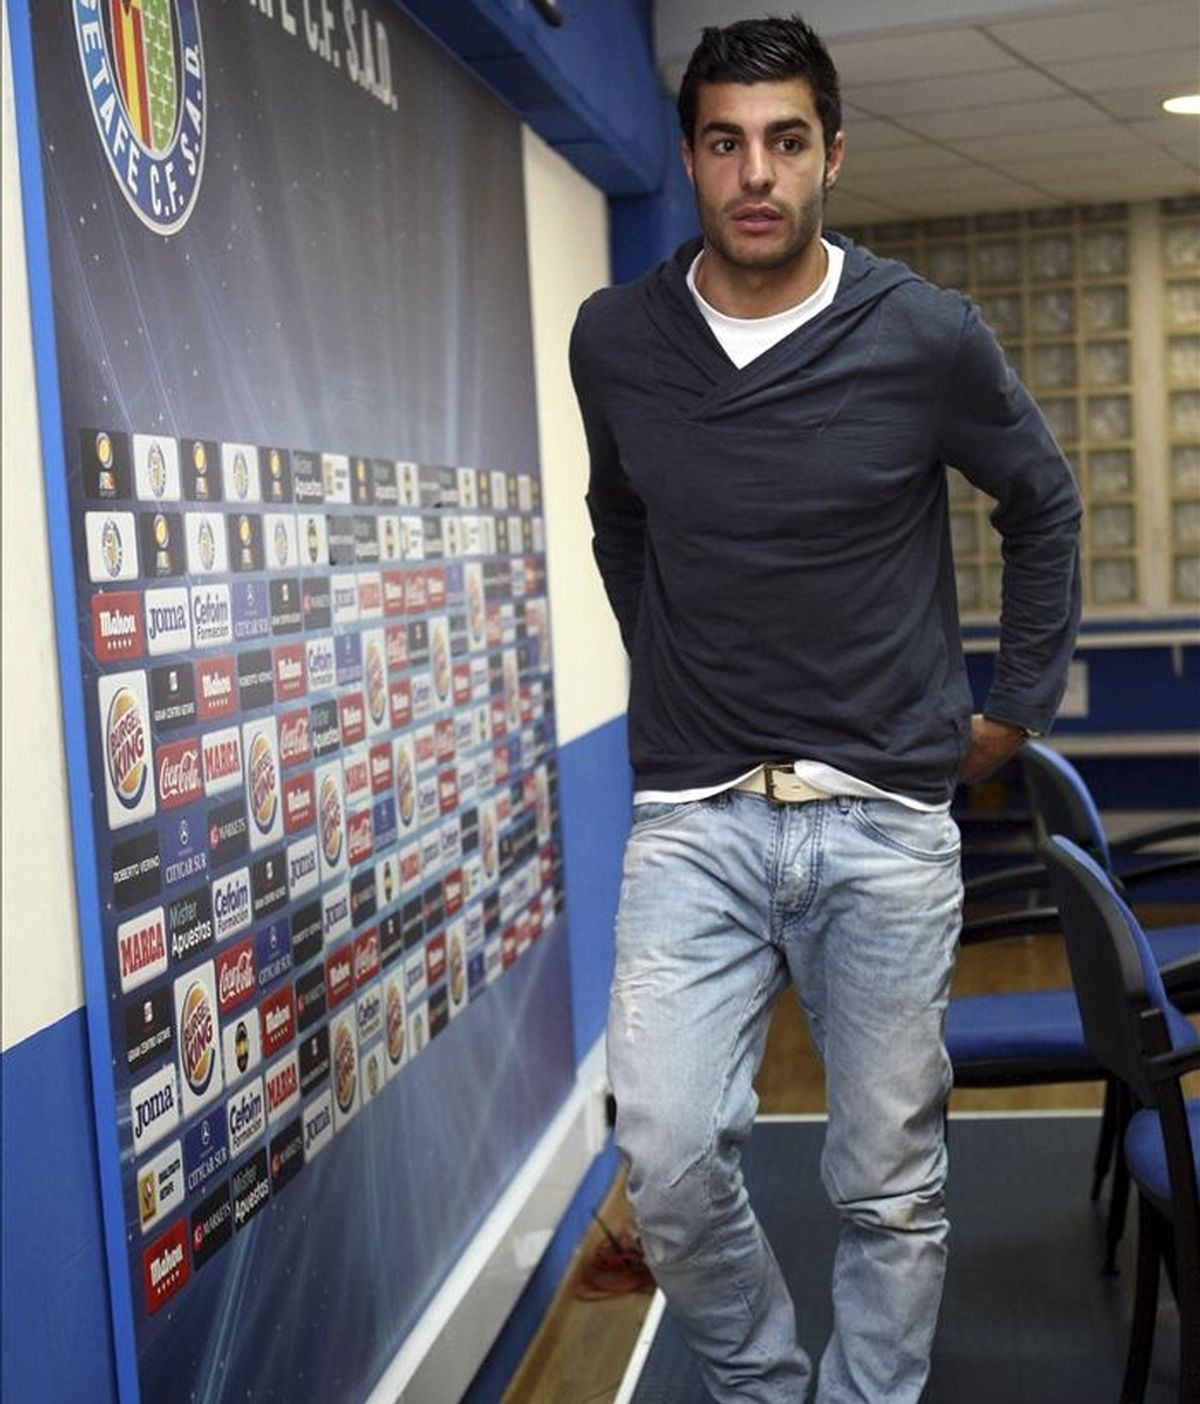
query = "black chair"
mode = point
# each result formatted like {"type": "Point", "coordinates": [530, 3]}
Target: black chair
{"type": "Point", "coordinates": [1142, 1039]}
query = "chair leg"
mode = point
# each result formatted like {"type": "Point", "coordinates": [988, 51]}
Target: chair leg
{"type": "Point", "coordinates": [1145, 1302]}
{"type": "Point", "coordinates": [1187, 1294]}
{"type": "Point", "coordinates": [1104, 1146]}
{"type": "Point", "coordinates": [1119, 1202]}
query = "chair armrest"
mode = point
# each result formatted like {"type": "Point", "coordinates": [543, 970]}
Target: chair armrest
{"type": "Point", "coordinates": [1028, 877]}
{"type": "Point", "coordinates": [1036, 921]}
{"type": "Point", "coordinates": [1181, 976]}
{"type": "Point", "coordinates": [1160, 833]}
{"type": "Point", "coordinates": [1164, 867]}
{"type": "Point", "coordinates": [1166, 1067]}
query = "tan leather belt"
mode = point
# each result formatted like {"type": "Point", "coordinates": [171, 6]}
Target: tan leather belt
{"type": "Point", "coordinates": [781, 785]}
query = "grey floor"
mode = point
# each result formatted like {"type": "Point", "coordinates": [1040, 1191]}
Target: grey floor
{"type": "Point", "coordinates": [1026, 1317]}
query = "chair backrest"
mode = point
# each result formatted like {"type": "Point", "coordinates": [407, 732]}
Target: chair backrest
{"type": "Point", "coordinates": [1112, 967]}
{"type": "Point", "coordinates": [1061, 803]}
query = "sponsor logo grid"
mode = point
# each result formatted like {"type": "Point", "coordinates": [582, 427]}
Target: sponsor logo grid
{"type": "Point", "coordinates": [346, 795]}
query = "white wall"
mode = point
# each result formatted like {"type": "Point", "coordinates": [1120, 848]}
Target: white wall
{"type": "Point", "coordinates": [567, 233]}
{"type": "Point", "coordinates": [39, 939]}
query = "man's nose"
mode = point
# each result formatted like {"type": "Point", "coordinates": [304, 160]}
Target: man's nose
{"type": "Point", "coordinates": [757, 171]}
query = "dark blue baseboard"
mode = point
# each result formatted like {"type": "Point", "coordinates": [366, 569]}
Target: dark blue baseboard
{"type": "Point", "coordinates": [56, 1325]}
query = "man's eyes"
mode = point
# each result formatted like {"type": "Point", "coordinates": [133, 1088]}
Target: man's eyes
{"type": "Point", "coordinates": [786, 145]}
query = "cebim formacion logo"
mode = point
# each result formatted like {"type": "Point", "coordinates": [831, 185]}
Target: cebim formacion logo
{"type": "Point", "coordinates": [143, 70]}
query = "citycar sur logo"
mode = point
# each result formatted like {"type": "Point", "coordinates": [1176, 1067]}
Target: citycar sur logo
{"type": "Point", "coordinates": [143, 72]}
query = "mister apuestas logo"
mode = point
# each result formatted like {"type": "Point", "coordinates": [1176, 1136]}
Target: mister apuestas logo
{"type": "Point", "coordinates": [143, 70]}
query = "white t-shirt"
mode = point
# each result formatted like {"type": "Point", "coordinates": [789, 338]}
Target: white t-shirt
{"type": "Point", "coordinates": [743, 339]}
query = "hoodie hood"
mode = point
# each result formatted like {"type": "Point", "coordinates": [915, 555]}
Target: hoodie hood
{"type": "Point", "coordinates": [689, 357]}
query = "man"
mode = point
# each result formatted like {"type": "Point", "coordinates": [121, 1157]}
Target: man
{"type": "Point", "coordinates": [768, 416]}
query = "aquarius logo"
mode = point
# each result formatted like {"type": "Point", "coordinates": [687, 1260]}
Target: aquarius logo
{"type": "Point", "coordinates": [144, 73]}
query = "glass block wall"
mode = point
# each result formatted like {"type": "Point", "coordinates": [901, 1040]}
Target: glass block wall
{"type": "Point", "coordinates": [1058, 287]}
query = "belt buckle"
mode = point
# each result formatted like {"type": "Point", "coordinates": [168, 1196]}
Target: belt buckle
{"type": "Point", "coordinates": [773, 775]}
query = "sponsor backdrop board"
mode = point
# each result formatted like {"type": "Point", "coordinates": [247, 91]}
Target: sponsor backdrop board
{"type": "Point", "coordinates": [305, 650]}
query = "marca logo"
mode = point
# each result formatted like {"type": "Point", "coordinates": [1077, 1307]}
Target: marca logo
{"type": "Point", "coordinates": [196, 1036]}
{"type": "Point", "coordinates": [231, 903]}
{"type": "Point", "coordinates": [177, 765]}
{"type": "Point", "coordinates": [142, 949]}
{"type": "Point", "coordinates": [212, 615]}
{"type": "Point", "coordinates": [160, 1186]}
{"type": "Point", "coordinates": [283, 1088]}
{"type": "Point", "coordinates": [319, 663]}
{"type": "Point", "coordinates": [236, 980]}
{"type": "Point", "coordinates": [222, 759]}
{"type": "Point", "coordinates": [117, 625]}
{"type": "Point", "coordinates": [318, 1125]}
{"type": "Point", "coordinates": [153, 1108]}
{"type": "Point", "coordinates": [278, 1015]}
{"type": "Point", "coordinates": [245, 1114]}
{"type": "Point", "coordinates": [165, 1267]}
{"type": "Point", "coordinates": [148, 1031]}
{"type": "Point", "coordinates": [211, 1225]}
{"type": "Point", "coordinates": [356, 776]}
{"type": "Point", "coordinates": [370, 594]}
{"type": "Point", "coordinates": [111, 546]}
{"type": "Point", "coordinates": [241, 1046]}
{"type": "Point", "coordinates": [289, 672]}
{"type": "Point", "coordinates": [299, 805]}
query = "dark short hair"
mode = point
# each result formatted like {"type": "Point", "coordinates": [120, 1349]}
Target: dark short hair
{"type": "Point", "coordinates": [762, 51]}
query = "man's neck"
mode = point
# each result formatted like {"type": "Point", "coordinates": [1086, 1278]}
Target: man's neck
{"type": "Point", "coordinates": [760, 292]}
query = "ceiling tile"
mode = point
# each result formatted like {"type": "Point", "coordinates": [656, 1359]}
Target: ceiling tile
{"type": "Point", "coordinates": [1174, 68]}
{"type": "Point", "coordinates": [926, 156]}
{"type": "Point", "coordinates": [872, 135]}
{"type": "Point", "coordinates": [1101, 136]}
{"type": "Point", "coordinates": [1046, 117]}
{"type": "Point", "coordinates": [1007, 85]}
{"type": "Point", "coordinates": [1108, 32]}
{"type": "Point", "coordinates": [1139, 104]}
{"type": "Point", "coordinates": [932, 54]}
{"type": "Point", "coordinates": [1180, 135]}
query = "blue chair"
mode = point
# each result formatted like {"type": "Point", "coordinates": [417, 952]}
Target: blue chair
{"type": "Point", "coordinates": [1142, 1039]}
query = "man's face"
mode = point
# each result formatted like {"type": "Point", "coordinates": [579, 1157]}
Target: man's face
{"type": "Point", "coordinates": [760, 168]}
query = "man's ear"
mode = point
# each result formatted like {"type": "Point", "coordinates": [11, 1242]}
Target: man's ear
{"type": "Point", "coordinates": [835, 153]}
{"type": "Point", "coordinates": [689, 156]}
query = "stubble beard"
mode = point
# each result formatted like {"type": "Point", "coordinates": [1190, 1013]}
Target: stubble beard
{"type": "Point", "coordinates": [805, 226]}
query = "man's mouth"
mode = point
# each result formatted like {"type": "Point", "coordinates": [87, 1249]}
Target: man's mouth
{"type": "Point", "coordinates": [756, 218]}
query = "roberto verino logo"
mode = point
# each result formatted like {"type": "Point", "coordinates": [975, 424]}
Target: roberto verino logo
{"type": "Point", "coordinates": [143, 72]}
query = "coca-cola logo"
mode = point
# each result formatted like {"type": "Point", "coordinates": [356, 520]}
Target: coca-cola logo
{"type": "Point", "coordinates": [179, 775]}
{"type": "Point", "coordinates": [236, 980]}
{"type": "Point", "coordinates": [295, 745]}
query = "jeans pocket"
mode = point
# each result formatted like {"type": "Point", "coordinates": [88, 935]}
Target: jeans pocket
{"type": "Point", "coordinates": [657, 813]}
{"type": "Point", "coordinates": [928, 837]}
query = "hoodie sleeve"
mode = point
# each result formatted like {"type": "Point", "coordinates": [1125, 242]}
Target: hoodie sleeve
{"type": "Point", "coordinates": [991, 430]}
{"type": "Point", "coordinates": [617, 512]}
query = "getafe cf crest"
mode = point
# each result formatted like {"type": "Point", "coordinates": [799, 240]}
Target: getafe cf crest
{"type": "Point", "coordinates": [143, 70]}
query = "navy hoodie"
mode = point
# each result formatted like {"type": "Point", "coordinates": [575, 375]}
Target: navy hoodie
{"type": "Point", "coordinates": [775, 541]}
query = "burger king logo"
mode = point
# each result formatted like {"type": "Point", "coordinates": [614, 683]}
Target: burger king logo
{"type": "Point", "coordinates": [127, 748]}
{"type": "Point", "coordinates": [406, 785]}
{"type": "Point", "coordinates": [329, 807]}
{"type": "Point", "coordinates": [264, 783]}
{"type": "Point", "coordinates": [394, 1014]}
{"type": "Point", "coordinates": [197, 1038]}
{"type": "Point", "coordinates": [376, 683]}
{"type": "Point", "coordinates": [345, 1067]}
{"type": "Point", "coordinates": [458, 969]}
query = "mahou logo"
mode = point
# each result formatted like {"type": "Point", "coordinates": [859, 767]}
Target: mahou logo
{"type": "Point", "coordinates": [143, 73]}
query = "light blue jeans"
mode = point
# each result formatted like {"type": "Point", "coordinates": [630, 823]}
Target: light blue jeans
{"type": "Point", "coordinates": [856, 903]}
